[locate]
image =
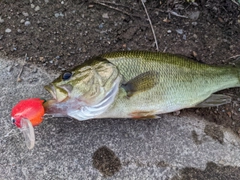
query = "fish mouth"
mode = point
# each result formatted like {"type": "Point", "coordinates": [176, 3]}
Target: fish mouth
{"type": "Point", "coordinates": [52, 90]}
{"type": "Point", "coordinates": [59, 94]}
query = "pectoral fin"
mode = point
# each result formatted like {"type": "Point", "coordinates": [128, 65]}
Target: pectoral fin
{"type": "Point", "coordinates": [141, 82]}
{"type": "Point", "coordinates": [215, 100]}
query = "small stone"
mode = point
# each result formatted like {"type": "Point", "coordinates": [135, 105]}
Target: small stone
{"type": "Point", "coordinates": [9, 68]}
{"type": "Point", "coordinates": [239, 109]}
{"type": "Point", "coordinates": [194, 54]}
{"type": "Point", "coordinates": [8, 30]}
{"type": "Point", "coordinates": [25, 14]}
{"type": "Point", "coordinates": [37, 8]}
{"type": "Point", "coordinates": [194, 15]}
{"type": "Point", "coordinates": [176, 113]}
{"type": "Point", "coordinates": [32, 6]}
{"type": "Point", "coordinates": [229, 114]}
{"type": "Point", "coordinates": [169, 31]}
{"type": "Point", "coordinates": [27, 23]}
{"type": "Point", "coordinates": [1, 20]}
{"type": "Point", "coordinates": [195, 36]}
{"type": "Point", "coordinates": [30, 1]}
{"type": "Point", "coordinates": [222, 162]}
{"type": "Point", "coordinates": [166, 20]}
{"type": "Point", "coordinates": [105, 15]}
{"type": "Point", "coordinates": [56, 62]}
{"type": "Point", "coordinates": [62, 2]}
{"type": "Point", "coordinates": [1, 36]}
{"type": "Point", "coordinates": [184, 37]}
{"type": "Point", "coordinates": [41, 59]}
{"type": "Point", "coordinates": [194, 23]}
{"type": "Point", "coordinates": [179, 31]}
{"type": "Point", "coordinates": [100, 26]}
{"type": "Point", "coordinates": [56, 15]}
{"type": "Point", "coordinates": [22, 21]}
{"type": "Point", "coordinates": [46, 1]}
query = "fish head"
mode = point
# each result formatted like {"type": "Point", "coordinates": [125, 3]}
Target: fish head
{"type": "Point", "coordinates": [85, 86]}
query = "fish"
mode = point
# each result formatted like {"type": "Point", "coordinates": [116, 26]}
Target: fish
{"type": "Point", "coordinates": [138, 84]}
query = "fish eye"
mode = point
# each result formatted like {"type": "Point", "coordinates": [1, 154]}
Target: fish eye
{"type": "Point", "coordinates": [13, 120]}
{"type": "Point", "coordinates": [67, 75]}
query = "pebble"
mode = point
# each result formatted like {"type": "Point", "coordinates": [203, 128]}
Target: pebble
{"type": "Point", "coordinates": [19, 31]}
{"type": "Point", "coordinates": [22, 21]}
{"type": "Point", "coordinates": [105, 15]}
{"type": "Point", "coordinates": [229, 114]}
{"type": "Point", "coordinates": [9, 68]}
{"type": "Point", "coordinates": [27, 23]}
{"type": "Point", "coordinates": [32, 6]}
{"type": "Point", "coordinates": [176, 113]}
{"type": "Point", "coordinates": [8, 30]}
{"type": "Point", "coordinates": [37, 8]}
{"type": "Point", "coordinates": [169, 31]}
{"type": "Point", "coordinates": [194, 15]}
{"type": "Point", "coordinates": [194, 23]}
{"type": "Point", "coordinates": [184, 37]}
{"type": "Point", "coordinates": [194, 54]}
{"type": "Point", "coordinates": [58, 14]}
{"type": "Point", "coordinates": [25, 14]}
{"type": "Point", "coordinates": [41, 59]}
{"type": "Point", "coordinates": [179, 31]}
{"type": "Point", "coordinates": [35, 70]}
{"type": "Point", "coordinates": [46, 1]}
{"type": "Point", "coordinates": [1, 20]}
{"type": "Point", "coordinates": [100, 26]}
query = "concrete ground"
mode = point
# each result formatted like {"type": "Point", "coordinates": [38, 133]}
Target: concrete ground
{"type": "Point", "coordinates": [171, 147]}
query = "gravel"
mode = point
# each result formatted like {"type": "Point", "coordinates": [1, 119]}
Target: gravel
{"type": "Point", "coordinates": [8, 30]}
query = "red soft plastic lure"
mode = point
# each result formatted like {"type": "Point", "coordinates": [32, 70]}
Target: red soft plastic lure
{"type": "Point", "coordinates": [26, 114]}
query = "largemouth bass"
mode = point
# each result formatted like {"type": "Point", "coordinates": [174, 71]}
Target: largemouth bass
{"type": "Point", "coordinates": [138, 84]}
